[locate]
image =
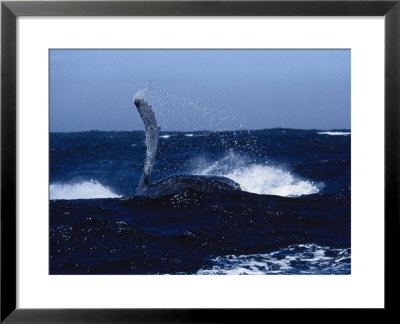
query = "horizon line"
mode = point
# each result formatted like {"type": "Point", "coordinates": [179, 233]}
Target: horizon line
{"type": "Point", "coordinates": [213, 131]}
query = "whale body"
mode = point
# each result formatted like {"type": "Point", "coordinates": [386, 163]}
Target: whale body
{"type": "Point", "coordinates": [177, 183]}
{"type": "Point", "coordinates": [180, 183]}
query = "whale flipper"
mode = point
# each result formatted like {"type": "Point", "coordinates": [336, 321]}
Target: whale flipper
{"type": "Point", "coordinates": [171, 184]}
{"type": "Point", "coordinates": [152, 133]}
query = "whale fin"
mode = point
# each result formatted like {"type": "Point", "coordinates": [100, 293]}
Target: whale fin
{"type": "Point", "coordinates": [152, 133]}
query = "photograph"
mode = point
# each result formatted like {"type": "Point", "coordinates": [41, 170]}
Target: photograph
{"type": "Point", "coordinates": [199, 161]}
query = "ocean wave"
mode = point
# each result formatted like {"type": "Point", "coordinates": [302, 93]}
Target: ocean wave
{"type": "Point", "coordinates": [257, 178]}
{"type": "Point", "coordinates": [82, 190]}
{"type": "Point", "coordinates": [335, 133]}
{"type": "Point", "coordinates": [295, 259]}
{"type": "Point", "coordinates": [165, 136]}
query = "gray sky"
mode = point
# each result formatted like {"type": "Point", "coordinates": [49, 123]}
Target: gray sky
{"type": "Point", "coordinates": [200, 89]}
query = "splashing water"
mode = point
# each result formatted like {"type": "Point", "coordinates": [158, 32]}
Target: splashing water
{"type": "Point", "coordinates": [257, 178]}
{"type": "Point", "coordinates": [82, 190]}
{"type": "Point", "coordinates": [172, 108]}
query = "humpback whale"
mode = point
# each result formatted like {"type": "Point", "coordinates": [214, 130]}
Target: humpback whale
{"type": "Point", "coordinates": [172, 184]}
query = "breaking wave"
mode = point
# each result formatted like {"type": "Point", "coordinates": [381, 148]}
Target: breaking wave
{"type": "Point", "coordinates": [82, 190]}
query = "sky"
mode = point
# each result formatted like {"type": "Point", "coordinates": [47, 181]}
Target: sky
{"type": "Point", "coordinates": [200, 89]}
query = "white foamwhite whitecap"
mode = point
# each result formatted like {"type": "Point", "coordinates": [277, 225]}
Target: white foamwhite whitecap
{"type": "Point", "coordinates": [335, 133]}
{"type": "Point", "coordinates": [82, 190]}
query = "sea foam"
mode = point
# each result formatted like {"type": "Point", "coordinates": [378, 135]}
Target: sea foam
{"type": "Point", "coordinates": [295, 259]}
{"type": "Point", "coordinates": [257, 178]}
{"type": "Point", "coordinates": [82, 190]}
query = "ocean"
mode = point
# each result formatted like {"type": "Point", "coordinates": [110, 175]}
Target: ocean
{"type": "Point", "coordinates": [291, 217]}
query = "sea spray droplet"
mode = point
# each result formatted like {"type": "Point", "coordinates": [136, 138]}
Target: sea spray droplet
{"type": "Point", "coordinates": [172, 107]}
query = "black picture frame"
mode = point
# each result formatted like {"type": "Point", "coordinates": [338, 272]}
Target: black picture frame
{"type": "Point", "coordinates": [10, 10]}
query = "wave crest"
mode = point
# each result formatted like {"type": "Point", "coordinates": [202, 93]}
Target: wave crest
{"type": "Point", "coordinates": [82, 190]}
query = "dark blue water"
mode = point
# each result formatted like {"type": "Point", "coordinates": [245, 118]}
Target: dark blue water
{"type": "Point", "coordinates": [292, 217]}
